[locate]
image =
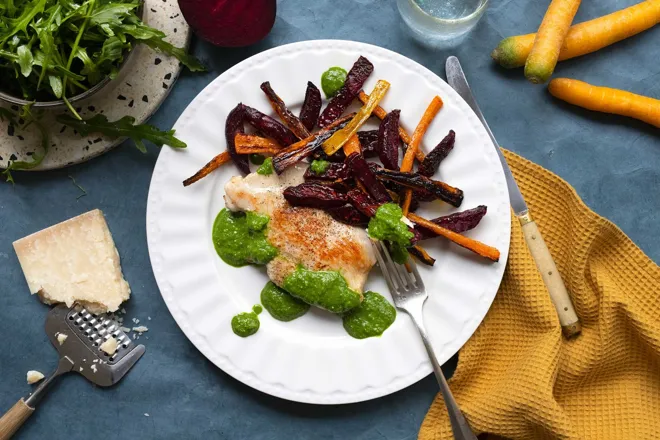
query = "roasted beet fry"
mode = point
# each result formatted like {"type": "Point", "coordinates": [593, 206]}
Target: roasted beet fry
{"type": "Point", "coordinates": [349, 91]}
{"type": "Point", "coordinates": [369, 141]}
{"type": "Point", "coordinates": [233, 126]}
{"type": "Point", "coordinates": [296, 152]}
{"type": "Point", "coordinates": [363, 174]}
{"type": "Point", "coordinates": [441, 190]}
{"type": "Point", "coordinates": [363, 202]}
{"type": "Point", "coordinates": [431, 162]}
{"type": "Point", "coordinates": [309, 113]}
{"type": "Point", "coordinates": [388, 140]}
{"type": "Point", "coordinates": [313, 195]}
{"type": "Point", "coordinates": [334, 171]}
{"type": "Point", "coordinates": [289, 119]}
{"type": "Point", "coordinates": [269, 126]}
{"type": "Point", "coordinates": [458, 222]}
{"type": "Point", "coordinates": [349, 215]}
{"type": "Point", "coordinates": [421, 255]}
{"type": "Point", "coordinates": [214, 164]}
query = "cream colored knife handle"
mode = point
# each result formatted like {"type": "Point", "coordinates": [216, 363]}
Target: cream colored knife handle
{"type": "Point", "coordinates": [568, 319]}
{"type": "Point", "coordinates": [14, 418]}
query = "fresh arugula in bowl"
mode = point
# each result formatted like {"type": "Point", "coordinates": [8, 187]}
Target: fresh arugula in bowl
{"type": "Point", "coordinates": [55, 49]}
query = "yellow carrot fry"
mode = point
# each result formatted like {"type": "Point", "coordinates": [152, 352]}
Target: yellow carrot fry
{"type": "Point", "coordinates": [352, 146]}
{"type": "Point", "coordinates": [341, 136]}
{"type": "Point", "coordinates": [403, 134]}
{"type": "Point", "coordinates": [550, 37]}
{"type": "Point", "coordinates": [468, 243]}
{"type": "Point", "coordinates": [214, 164]}
{"type": "Point", "coordinates": [408, 159]}
{"type": "Point", "coordinates": [586, 37]}
{"type": "Point", "coordinates": [604, 99]}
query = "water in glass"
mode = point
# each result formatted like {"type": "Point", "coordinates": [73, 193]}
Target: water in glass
{"type": "Point", "coordinates": [437, 22]}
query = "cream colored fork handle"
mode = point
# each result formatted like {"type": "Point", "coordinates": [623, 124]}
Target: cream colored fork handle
{"type": "Point", "coordinates": [14, 418]}
{"type": "Point", "coordinates": [570, 324]}
{"type": "Point", "coordinates": [459, 426]}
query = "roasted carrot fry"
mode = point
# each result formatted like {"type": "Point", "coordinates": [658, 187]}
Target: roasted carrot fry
{"type": "Point", "coordinates": [352, 146]}
{"type": "Point", "coordinates": [468, 243]}
{"type": "Point", "coordinates": [214, 164]}
{"type": "Point", "coordinates": [408, 159]}
{"type": "Point", "coordinates": [420, 253]}
{"type": "Point", "coordinates": [380, 112]}
{"type": "Point", "coordinates": [250, 144]}
{"type": "Point", "coordinates": [289, 119]}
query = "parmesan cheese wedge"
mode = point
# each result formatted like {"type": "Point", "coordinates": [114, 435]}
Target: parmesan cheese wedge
{"type": "Point", "coordinates": [75, 260]}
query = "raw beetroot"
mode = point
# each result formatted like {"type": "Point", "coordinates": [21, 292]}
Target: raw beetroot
{"type": "Point", "coordinates": [230, 23]}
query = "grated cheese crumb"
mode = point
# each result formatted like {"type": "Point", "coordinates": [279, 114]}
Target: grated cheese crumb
{"type": "Point", "coordinates": [93, 367]}
{"type": "Point", "coordinates": [146, 414]}
{"type": "Point", "coordinates": [109, 346]}
{"type": "Point", "coordinates": [149, 318]}
{"type": "Point", "coordinates": [140, 329]}
{"type": "Point", "coordinates": [61, 337]}
{"type": "Point", "coordinates": [34, 376]}
{"type": "Point", "coordinates": [123, 311]}
{"type": "Point", "coordinates": [125, 329]}
{"type": "Point", "coordinates": [81, 369]}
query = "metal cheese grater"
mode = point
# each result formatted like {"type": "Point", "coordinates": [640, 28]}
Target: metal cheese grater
{"type": "Point", "coordinates": [81, 353]}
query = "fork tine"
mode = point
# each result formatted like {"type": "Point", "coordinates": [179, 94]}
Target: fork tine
{"type": "Point", "coordinates": [416, 278]}
{"type": "Point", "coordinates": [393, 268]}
{"type": "Point", "coordinates": [383, 267]}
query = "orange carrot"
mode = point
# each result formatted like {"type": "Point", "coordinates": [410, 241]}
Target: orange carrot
{"type": "Point", "coordinates": [214, 164]}
{"type": "Point", "coordinates": [550, 37]}
{"type": "Point", "coordinates": [468, 243]}
{"type": "Point", "coordinates": [586, 37]}
{"type": "Point", "coordinates": [380, 112]}
{"type": "Point", "coordinates": [408, 159]}
{"type": "Point", "coordinates": [604, 99]}
{"type": "Point", "coordinates": [250, 144]}
{"type": "Point", "coordinates": [352, 146]}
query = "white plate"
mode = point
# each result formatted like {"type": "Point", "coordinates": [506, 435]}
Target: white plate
{"type": "Point", "coordinates": [312, 359]}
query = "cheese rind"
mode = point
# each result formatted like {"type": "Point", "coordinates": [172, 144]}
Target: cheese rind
{"type": "Point", "coordinates": [75, 260]}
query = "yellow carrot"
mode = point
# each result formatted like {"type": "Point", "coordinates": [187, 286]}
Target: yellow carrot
{"type": "Point", "coordinates": [604, 99]}
{"type": "Point", "coordinates": [550, 37]}
{"type": "Point", "coordinates": [586, 37]}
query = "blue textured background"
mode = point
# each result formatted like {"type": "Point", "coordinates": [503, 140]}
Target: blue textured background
{"type": "Point", "coordinates": [612, 162]}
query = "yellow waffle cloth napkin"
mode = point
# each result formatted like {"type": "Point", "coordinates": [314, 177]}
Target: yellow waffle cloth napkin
{"type": "Point", "coordinates": [518, 378]}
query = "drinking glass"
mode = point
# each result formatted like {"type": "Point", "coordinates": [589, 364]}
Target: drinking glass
{"type": "Point", "coordinates": [441, 22]}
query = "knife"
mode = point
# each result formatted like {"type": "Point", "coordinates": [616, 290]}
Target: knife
{"type": "Point", "coordinates": [568, 319]}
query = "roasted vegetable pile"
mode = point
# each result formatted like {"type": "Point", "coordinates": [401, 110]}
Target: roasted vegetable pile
{"type": "Point", "coordinates": [340, 180]}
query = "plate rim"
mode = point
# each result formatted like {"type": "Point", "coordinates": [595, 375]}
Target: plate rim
{"type": "Point", "coordinates": [249, 379]}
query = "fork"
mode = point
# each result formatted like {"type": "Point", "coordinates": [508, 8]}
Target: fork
{"type": "Point", "coordinates": [409, 295]}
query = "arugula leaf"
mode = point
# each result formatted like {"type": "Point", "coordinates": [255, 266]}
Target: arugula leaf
{"type": "Point", "coordinates": [141, 31]}
{"type": "Point", "coordinates": [25, 60]}
{"type": "Point", "coordinates": [21, 23]}
{"type": "Point", "coordinates": [123, 127]}
{"type": "Point", "coordinates": [37, 158]}
{"type": "Point", "coordinates": [56, 85]}
{"type": "Point", "coordinates": [111, 13]}
{"type": "Point", "coordinates": [186, 59]}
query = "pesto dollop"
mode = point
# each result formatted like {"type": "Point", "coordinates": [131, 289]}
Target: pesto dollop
{"type": "Point", "coordinates": [319, 166]}
{"type": "Point", "coordinates": [239, 238]}
{"type": "Point", "coordinates": [266, 167]}
{"type": "Point", "coordinates": [280, 304]}
{"type": "Point", "coordinates": [325, 289]}
{"type": "Point", "coordinates": [332, 80]}
{"type": "Point", "coordinates": [257, 309]}
{"type": "Point", "coordinates": [371, 318]}
{"type": "Point", "coordinates": [387, 225]}
{"type": "Point", "coordinates": [245, 324]}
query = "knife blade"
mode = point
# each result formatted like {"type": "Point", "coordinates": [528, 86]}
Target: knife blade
{"type": "Point", "coordinates": [567, 317]}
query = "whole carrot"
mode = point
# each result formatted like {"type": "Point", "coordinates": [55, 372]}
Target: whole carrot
{"type": "Point", "coordinates": [586, 37]}
{"type": "Point", "coordinates": [550, 37]}
{"type": "Point", "coordinates": [604, 99]}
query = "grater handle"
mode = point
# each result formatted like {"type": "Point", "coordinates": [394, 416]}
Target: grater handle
{"type": "Point", "coordinates": [14, 419]}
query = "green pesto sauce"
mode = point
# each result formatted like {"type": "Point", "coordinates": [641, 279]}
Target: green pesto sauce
{"type": "Point", "coordinates": [245, 324]}
{"type": "Point", "coordinates": [387, 225]}
{"type": "Point", "coordinates": [280, 304]}
{"type": "Point", "coordinates": [371, 318]}
{"type": "Point", "coordinates": [319, 166]}
{"type": "Point", "coordinates": [257, 309]}
{"type": "Point", "coordinates": [257, 159]}
{"type": "Point", "coordinates": [266, 167]}
{"type": "Point", "coordinates": [240, 238]}
{"type": "Point", "coordinates": [332, 80]}
{"type": "Point", "coordinates": [325, 289]}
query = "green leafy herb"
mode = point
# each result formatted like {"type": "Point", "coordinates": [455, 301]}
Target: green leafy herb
{"type": "Point", "coordinates": [37, 158]}
{"type": "Point", "coordinates": [123, 127]}
{"type": "Point", "coordinates": [192, 63]}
